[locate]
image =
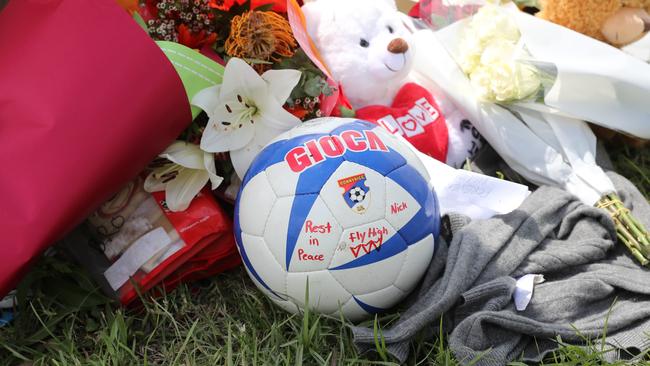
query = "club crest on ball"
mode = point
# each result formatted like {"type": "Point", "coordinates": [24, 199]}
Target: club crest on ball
{"type": "Point", "coordinates": [356, 193]}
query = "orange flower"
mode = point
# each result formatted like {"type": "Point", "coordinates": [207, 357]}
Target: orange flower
{"type": "Point", "coordinates": [195, 40]}
{"type": "Point", "coordinates": [129, 5]}
{"type": "Point", "coordinates": [260, 35]}
{"type": "Point", "coordinates": [298, 111]}
{"type": "Point", "coordinates": [224, 4]}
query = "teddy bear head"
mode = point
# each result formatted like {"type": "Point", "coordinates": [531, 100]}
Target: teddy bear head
{"type": "Point", "coordinates": [364, 43]}
{"type": "Point", "coordinates": [618, 22]}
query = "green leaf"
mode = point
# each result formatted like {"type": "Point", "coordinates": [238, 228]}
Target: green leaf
{"type": "Point", "coordinates": [265, 7]}
{"type": "Point", "coordinates": [195, 70]}
{"type": "Point", "coordinates": [347, 112]}
{"type": "Point", "coordinates": [313, 87]}
{"type": "Point", "coordinates": [138, 19]}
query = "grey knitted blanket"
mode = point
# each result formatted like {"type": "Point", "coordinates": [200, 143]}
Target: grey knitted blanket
{"type": "Point", "coordinates": [593, 288]}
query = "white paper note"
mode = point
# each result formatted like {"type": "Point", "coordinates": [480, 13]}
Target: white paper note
{"type": "Point", "coordinates": [475, 195]}
{"type": "Point", "coordinates": [524, 290]}
{"type": "Point", "coordinates": [136, 256]}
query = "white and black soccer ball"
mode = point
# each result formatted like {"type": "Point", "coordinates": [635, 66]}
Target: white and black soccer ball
{"type": "Point", "coordinates": [298, 224]}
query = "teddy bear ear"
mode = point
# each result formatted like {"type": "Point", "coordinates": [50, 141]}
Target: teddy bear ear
{"type": "Point", "coordinates": [316, 12]}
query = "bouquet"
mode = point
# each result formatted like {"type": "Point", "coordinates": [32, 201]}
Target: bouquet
{"type": "Point", "coordinates": [529, 86]}
{"type": "Point", "coordinates": [269, 84]}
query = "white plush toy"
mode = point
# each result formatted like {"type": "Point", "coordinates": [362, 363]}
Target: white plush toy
{"type": "Point", "coordinates": [366, 45]}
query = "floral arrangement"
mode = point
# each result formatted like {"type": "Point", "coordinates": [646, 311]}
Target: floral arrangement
{"type": "Point", "coordinates": [269, 86]}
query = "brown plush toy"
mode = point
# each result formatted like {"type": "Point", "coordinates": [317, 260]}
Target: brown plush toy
{"type": "Point", "coordinates": [617, 22]}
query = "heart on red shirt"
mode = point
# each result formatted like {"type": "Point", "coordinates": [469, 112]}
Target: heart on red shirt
{"type": "Point", "coordinates": [414, 115]}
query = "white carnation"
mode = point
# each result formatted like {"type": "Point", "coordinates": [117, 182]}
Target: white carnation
{"type": "Point", "coordinates": [470, 50]}
{"type": "Point", "coordinates": [492, 22]}
{"type": "Point", "coordinates": [489, 56]}
{"type": "Point", "coordinates": [505, 81]}
{"type": "Point", "coordinates": [488, 24]}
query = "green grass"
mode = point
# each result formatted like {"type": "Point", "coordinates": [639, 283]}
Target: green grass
{"type": "Point", "coordinates": [222, 321]}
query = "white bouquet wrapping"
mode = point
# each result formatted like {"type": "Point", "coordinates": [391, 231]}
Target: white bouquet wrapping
{"type": "Point", "coordinates": [529, 86]}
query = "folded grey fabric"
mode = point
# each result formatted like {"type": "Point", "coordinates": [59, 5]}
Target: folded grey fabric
{"type": "Point", "coordinates": [593, 287]}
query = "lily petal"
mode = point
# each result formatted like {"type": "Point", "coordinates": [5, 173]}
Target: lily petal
{"type": "Point", "coordinates": [184, 154]}
{"type": "Point", "coordinates": [240, 78]}
{"type": "Point", "coordinates": [215, 141]}
{"type": "Point", "coordinates": [207, 99]}
{"type": "Point", "coordinates": [265, 133]}
{"type": "Point", "coordinates": [242, 158]}
{"type": "Point", "coordinates": [153, 184]}
{"type": "Point", "coordinates": [281, 83]}
{"type": "Point", "coordinates": [212, 170]}
{"type": "Point", "coordinates": [272, 113]}
{"type": "Point", "coordinates": [181, 191]}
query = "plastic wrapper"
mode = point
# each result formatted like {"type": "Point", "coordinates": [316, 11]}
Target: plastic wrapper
{"type": "Point", "coordinates": [134, 243]}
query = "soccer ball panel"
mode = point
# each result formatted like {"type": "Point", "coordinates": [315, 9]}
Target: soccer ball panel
{"type": "Point", "coordinates": [371, 150]}
{"type": "Point", "coordinates": [399, 144]}
{"type": "Point", "coordinates": [427, 219]}
{"type": "Point", "coordinates": [401, 207]}
{"type": "Point", "coordinates": [325, 294]}
{"type": "Point", "coordinates": [371, 277]}
{"type": "Point", "coordinates": [275, 232]}
{"type": "Point", "coordinates": [366, 240]}
{"type": "Point", "coordinates": [271, 275]}
{"type": "Point", "coordinates": [282, 179]}
{"type": "Point", "coordinates": [255, 205]}
{"type": "Point", "coordinates": [318, 239]}
{"type": "Point", "coordinates": [418, 258]}
{"type": "Point", "coordinates": [383, 299]}
{"type": "Point", "coordinates": [369, 258]}
{"type": "Point", "coordinates": [279, 299]}
{"type": "Point", "coordinates": [355, 194]}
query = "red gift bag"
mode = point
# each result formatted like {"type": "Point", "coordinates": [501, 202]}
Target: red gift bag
{"type": "Point", "coordinates": [205, 237]}
{"type": "Point", "coordinates": [86, 101]}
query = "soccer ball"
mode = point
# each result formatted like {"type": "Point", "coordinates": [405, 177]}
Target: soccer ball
{"type": "Point", "coordinates": [337, 214]}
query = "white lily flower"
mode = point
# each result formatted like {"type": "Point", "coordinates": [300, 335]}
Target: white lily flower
{"type": "Point", "coordinates": [182, 171]}
{"type": "Point", "coordinates": [246, 111]}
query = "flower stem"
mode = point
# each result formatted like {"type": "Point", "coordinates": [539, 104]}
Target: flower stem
{"type": "Point", "coordinates": [629, 230]}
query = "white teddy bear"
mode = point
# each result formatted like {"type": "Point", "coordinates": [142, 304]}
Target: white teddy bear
{"type": "Point", "coordinates": [366, 46]}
